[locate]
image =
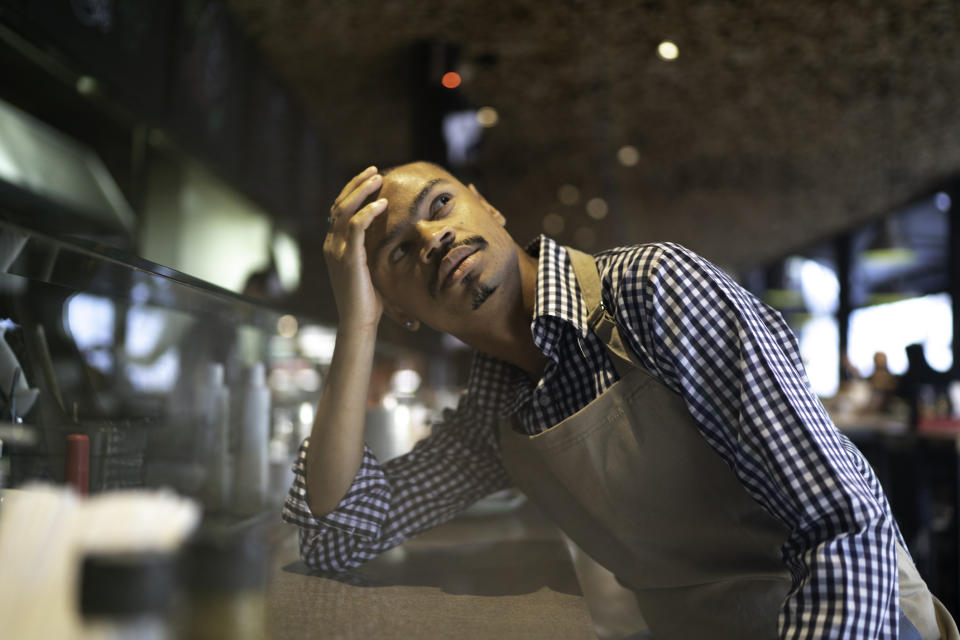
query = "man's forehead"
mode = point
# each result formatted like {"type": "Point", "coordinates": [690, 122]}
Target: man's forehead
{"type": "Point", "coordinates": [402, 186]}
{"type": "Point", "coordinates": [405, 187]}
{"type": "Point", "coordinates": [412, 177]}
{"type": "Point", "coordinates": [396, 180]}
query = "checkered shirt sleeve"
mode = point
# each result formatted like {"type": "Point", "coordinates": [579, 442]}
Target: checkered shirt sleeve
{"type": "Point", "coordinates": [737, 365]}
{"type": "Point", "coordinates": [456, 465]}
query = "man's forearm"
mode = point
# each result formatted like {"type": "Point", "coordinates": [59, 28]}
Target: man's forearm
{"type": "Point", "coordinates": [336, 440]}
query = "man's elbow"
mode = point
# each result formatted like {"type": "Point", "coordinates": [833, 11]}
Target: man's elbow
{"type": "Point", "coordinates": [322, 554]}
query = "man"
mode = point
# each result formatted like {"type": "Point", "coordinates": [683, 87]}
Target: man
{"type": "Point", "coordinates": [657, 411]}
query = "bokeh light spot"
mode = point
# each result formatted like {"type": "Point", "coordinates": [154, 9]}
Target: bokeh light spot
{"type": "Point", "coordinates": [668, 50]}
{"type": "Point", "coordinates": [451, 80]}
{"type": "Point", "coordinates": [487, 117]}
{"type": "Point", "coordinates": [597, 208]}
{"type": "Point", "coordinates": [553, 223]}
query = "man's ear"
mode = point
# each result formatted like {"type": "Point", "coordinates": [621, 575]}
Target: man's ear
{"type": "Point", "coordinates": [401, 317]}
{"type": "Point", "coordinates": [489, 207]}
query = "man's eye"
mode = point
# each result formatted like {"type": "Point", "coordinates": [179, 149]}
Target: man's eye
{"type": "Point", "coordinates": [399, 252]}
{"type": "Point", "coordinates": [439, 204]}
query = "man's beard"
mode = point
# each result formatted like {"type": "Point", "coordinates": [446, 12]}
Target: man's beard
{"type": "Point", "coordinates": [480, 294]}
{"type": "Point", "coordinates": [434, 285]}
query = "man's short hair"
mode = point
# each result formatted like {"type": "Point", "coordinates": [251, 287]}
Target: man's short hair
{"type": "Point", "coordinates": [385, 172]}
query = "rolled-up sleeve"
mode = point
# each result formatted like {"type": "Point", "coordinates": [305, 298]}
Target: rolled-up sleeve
{"type": "Point", "coordinates": [737, 365]}
{"type": "Point", "coordinates": [387, 503]}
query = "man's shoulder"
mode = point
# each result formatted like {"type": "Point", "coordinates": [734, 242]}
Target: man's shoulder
{"type": "Point", "coordinates": [639, 259]}
{"type": "Point", "coordinates": [633, 251]}
{"type": "Point", "coordinates": [629, 271]}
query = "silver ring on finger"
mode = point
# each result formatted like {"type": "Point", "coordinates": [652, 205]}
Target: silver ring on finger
{"type": "Point", "coordinates": [331, 219]}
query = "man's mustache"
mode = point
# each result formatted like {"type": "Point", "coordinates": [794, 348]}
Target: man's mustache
{"type": "Point", "coordinates": [434, 283]}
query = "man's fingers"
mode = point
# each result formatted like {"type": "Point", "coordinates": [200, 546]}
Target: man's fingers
{"type": "Point", "coordinates": [342, 205]}
{"type": "Point", "coordinates": [354, 182]}
{"type": "Point", "coordinates": [339, 246]}
{"type": "Point", "coordinates": [347, 207]}
{"type": "Point", "coordinates": [362, 220]}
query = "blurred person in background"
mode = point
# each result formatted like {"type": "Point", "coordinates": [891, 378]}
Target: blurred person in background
{"type": "Point", "coordinates": [883, 384]}
{"type": "Point", "coordinates": [922, 387]}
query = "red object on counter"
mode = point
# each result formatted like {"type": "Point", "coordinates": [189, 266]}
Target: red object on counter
{"type": "Point", "coordinates": [77, 470]}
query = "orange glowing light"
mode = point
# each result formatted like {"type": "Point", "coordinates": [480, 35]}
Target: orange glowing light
{"type": "Point", "coordinates": [451, 80]}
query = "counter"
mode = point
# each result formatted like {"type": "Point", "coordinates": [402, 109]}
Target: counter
{"type": "Point", "coordinates": [493, 576]}
{"type": "Point", "coordinates": [920, 474]}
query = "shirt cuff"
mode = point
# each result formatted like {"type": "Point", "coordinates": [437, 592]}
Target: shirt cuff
{"type": "Point", "coordinates": [362, 509]}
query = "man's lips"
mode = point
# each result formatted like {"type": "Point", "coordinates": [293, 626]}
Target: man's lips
{"type": "Point", "coordinates": [452, 260]}
{"type": "Point", "coordinates": [452, 256]}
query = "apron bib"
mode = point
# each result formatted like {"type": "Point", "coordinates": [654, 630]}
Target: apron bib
{"type": "Point", "coordinates": [630, 479]}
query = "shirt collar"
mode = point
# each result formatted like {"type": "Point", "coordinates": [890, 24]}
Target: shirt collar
{"type": "Point", "coordinates": [558, 294]}
{"type": "Point", "coordinates": [500, 389]}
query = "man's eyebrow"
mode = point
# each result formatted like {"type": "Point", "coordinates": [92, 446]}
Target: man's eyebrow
{"type": "Point", "coordinates": [423, 194]}
{"type": "Point", "coordinates": [412, 213]}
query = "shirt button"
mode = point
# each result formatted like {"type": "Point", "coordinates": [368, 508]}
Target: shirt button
{"type": "Point", "coordinates": [544, 400]}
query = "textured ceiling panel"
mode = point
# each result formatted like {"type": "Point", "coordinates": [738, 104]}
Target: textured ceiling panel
{"type": "Point", "coordinates": [778, 124]}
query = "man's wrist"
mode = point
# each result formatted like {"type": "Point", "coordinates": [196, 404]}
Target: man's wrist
{"type": "Point", "coordinates": [354, 328]}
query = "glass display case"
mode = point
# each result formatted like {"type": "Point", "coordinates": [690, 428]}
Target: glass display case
{"type": "Point", "coordinates": [157, 369]}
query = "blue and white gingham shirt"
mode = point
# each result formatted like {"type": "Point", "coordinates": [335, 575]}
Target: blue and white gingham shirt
{"type": "Point", "coordinates": [733, 360]}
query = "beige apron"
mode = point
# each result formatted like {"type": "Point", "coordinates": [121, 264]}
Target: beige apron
{"type": "Point", "coordinates": [630, 479]}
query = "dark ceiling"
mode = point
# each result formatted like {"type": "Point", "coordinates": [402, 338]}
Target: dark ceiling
{"type": "Point", "coordinates": [779, 123]}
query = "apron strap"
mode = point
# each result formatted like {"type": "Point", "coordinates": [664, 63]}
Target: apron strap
{"type": "Point", "coordinates": [599, 318]}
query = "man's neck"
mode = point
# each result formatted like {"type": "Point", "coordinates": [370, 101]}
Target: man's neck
{"type": "Point", "coordinates": [511, 340]}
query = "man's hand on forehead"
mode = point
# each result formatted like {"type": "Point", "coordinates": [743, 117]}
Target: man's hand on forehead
{"type": "Point", "coordinates": [375, 195]}
{"type": "Point", "coordinates": [352, 213]}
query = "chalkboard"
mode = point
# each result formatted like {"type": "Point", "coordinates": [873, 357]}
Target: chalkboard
{"type": "Point", "coordinates": [210, 85]}
{"type": "Point", "coordinates": [273, 123]}
{"type": "Point", "coordinates": [124, 44]}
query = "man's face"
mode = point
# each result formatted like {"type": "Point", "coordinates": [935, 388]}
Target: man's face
{"type": "Point", "coordinates": [439, 253]}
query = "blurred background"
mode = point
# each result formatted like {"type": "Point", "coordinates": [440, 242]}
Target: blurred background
{"type": "Point", "coordinates": [166, 168]}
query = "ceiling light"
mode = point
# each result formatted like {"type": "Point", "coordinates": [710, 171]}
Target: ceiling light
{"type": "Point", "coordinates": [888, 248]}
{"type": "Point", "coordinates": [628, 155]}
{"type": "Point", "coordinates": [553, 223]}
{"type": "Point", "coordinates": [568, 194]}
{"type": "Point", "coordinates": [487, 116]}
{"type": "Point", "coordinates": [597, 208]}
{"type": "Point", "coordinates": [668, 50]}
{"type": "Point", "coordinates": [450, 80]}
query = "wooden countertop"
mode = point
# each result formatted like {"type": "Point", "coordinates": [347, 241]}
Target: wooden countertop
{"type": "Point", "coordinates": [494, 576]}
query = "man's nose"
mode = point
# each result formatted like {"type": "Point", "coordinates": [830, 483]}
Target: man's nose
{"type": "Point", "coordinates": [436, 236]}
